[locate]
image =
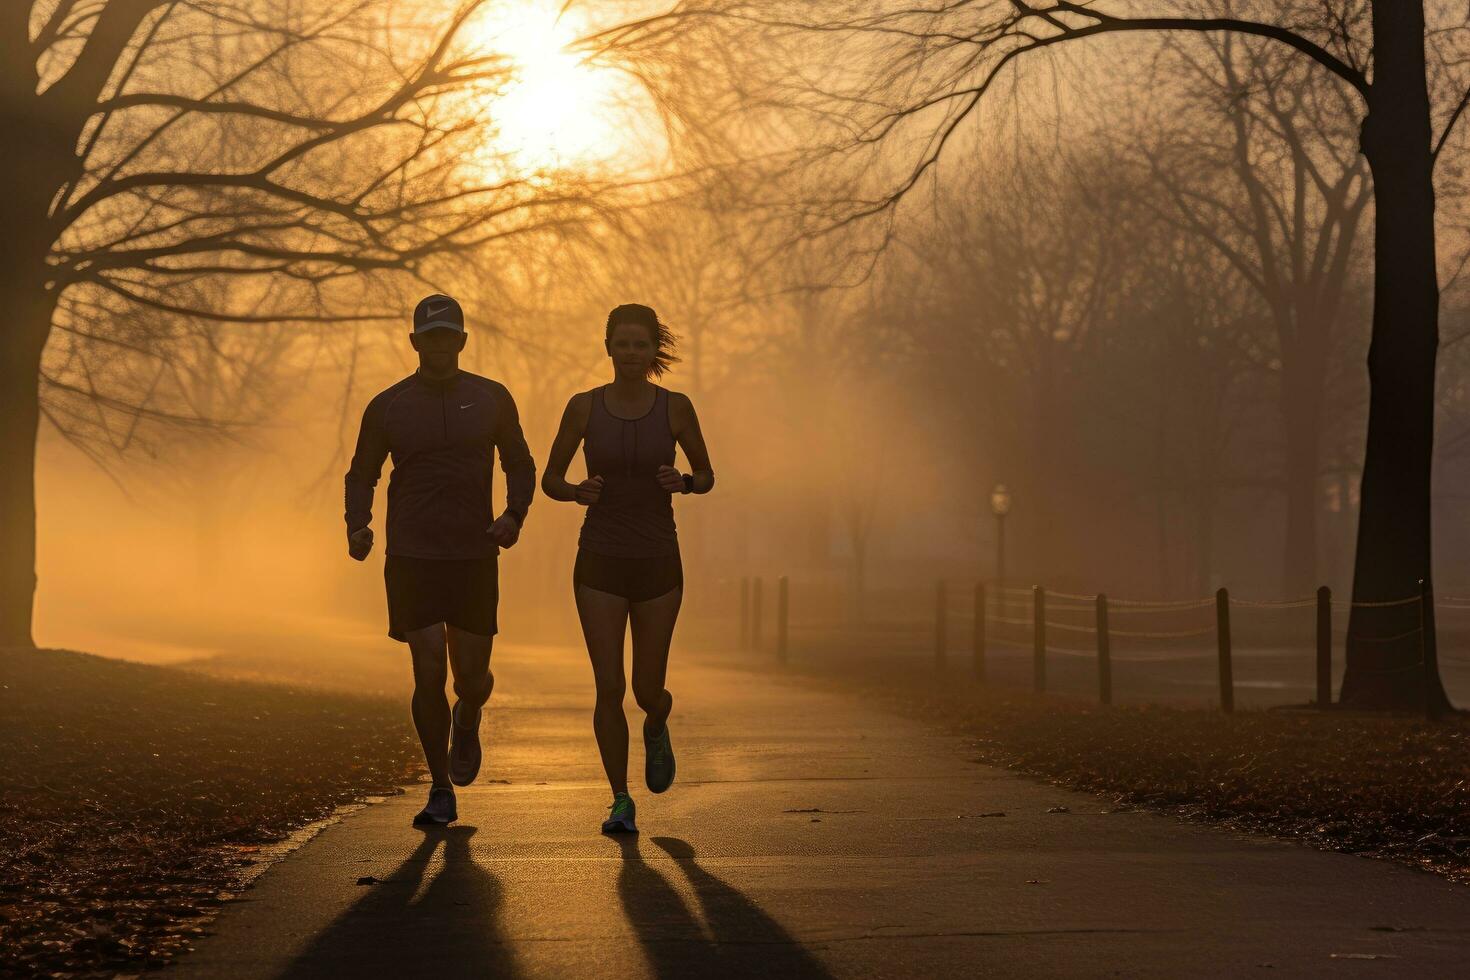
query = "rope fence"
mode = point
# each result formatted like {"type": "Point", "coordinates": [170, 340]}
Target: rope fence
{"type": "Point", "coordinates": [1046, 613]}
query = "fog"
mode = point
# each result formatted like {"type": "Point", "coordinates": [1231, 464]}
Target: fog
{"type": "Point", "coordinates": [1139, 300]}
{"type": "Point", "coordinates": [855, 440]}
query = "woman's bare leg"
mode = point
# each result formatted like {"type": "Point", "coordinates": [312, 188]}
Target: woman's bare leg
{"type": "Point", "coordinates": [604, 623]}
{"type": "Point", "coordinates": [653, 632]}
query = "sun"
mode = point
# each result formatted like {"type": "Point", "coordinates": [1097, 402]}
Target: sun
{"type": "Point", "coordinates": [560, 112]}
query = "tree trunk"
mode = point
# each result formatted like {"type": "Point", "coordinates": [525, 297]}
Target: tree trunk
{"type": "Point", "coordinates": [39, 158]}
{"type": "Point", "coordinates": [1041, 528]}
{"type": "Point", "coordinates": [818, 532]}
{"type": "Point", "coordinates": [1384, 645]}
{"type": "Point", "coordinates": [209, 510]}
{"type": "Point", "coordinates": [1204, 530]}
{"type": "Point", "coordinates": [21, 342]}
{"type": "Point", "coordinates": [1166, 584]}
{"type": "Point", "coordinates": [29, 177]}
{"type": "Point", "coordinates": [1302, 411]}
{"type": "Point", "coordinates": [1162, 481]}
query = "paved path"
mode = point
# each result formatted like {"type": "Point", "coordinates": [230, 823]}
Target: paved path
{"type": "Point", "coordinates": [903, 872]}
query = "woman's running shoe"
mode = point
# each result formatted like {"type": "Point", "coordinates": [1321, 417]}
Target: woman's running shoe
{"type": "Point", "coordinates": [658, 761]}
{"type": "Point", "coordinates": [620, 821]}
{"type": "Point", "coordinates": [441, 807]}
{"type": "Point", "coordinates": [464, 748]}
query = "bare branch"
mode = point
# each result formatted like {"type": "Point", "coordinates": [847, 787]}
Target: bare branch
{"type": "Point", "coordinates": [1450, 125]}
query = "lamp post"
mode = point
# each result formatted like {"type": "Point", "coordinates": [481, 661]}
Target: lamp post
{"type": "Point", "coordinates": [1000, 506]}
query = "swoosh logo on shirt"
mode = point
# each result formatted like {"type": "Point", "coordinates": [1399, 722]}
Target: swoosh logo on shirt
{"type": "Point", "coordinates": [466, 406]}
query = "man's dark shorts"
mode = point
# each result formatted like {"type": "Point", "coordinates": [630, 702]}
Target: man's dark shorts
{"type": "Point", "coordinates": [462, 592]}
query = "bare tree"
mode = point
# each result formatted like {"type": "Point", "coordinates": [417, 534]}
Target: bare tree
{"type": "Point", "coordinates": [899, 82]}
{"type": "Point", "coordinates": [240, 377]}
{"type": "Point", "coordinates": [1201, 335]}
{"type": "Point", "coordinates": [288, 147]}
{"type": "Point", "coordinates": [1286, 218]}
{"type": "Point", "coordinates": [1027, 268]}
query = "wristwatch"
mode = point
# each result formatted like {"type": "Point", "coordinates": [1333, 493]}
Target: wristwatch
{"type": "Point", "coordinates": [688, 483]}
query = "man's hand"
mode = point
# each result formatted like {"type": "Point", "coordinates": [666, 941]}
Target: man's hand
{"type": "Point", "coordinates": [360, 543]}
{"type": "Point", "coordinates": [506, 531]}
{"type": "Point", "coordinates": [589, 491]}
{"type": "Point", "coordinates": [671, 479]}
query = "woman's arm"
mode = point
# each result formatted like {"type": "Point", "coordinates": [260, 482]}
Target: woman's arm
{"type": "Point", "coordinates": [554, 478]}
{"type": "Point", "coordinates": [686, 433]}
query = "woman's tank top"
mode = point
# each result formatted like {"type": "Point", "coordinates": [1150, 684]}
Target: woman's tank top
{"type": "Point", "coordinates": [634, 516]}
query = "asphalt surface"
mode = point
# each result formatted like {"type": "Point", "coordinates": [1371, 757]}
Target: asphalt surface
{"type": "Point", "coordinates": [809, 835]}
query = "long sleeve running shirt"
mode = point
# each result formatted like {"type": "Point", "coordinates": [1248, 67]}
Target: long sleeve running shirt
{"type": "Point", "coordinates": [443, 436]}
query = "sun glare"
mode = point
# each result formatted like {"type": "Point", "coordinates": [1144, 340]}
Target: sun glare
{"type": "Point", "coordinates": [558, 111]}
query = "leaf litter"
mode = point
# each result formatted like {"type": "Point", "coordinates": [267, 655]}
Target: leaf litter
{"type": "Point", "coordinates": [1386, 786]}
{"type": "Point", "coordinates": [132, 798]}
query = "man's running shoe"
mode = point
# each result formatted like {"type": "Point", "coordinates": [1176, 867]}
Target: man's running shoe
{"type": "Point", "coordinates": [464, 748]}
{"type": "Point", "coordinates": [441, 807]}
{"type": "Point", "coordinates": [620, 821]}
{"type": "Point", "coordinates": [658, 761]}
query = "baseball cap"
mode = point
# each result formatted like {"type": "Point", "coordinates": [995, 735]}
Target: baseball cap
{"type": "Point", "coordinates": [437, 311]}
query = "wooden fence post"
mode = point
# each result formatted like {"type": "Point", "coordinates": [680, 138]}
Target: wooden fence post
{"type": "Point", "coordinates": [1038, 638]}
{"type": "Point", "coordinates": [1324, 647]}
{"type": "Point", "coordinates": [782, 599]}
{"type": "Point", "coordinates": [1222, 637]}
{"type": "Point", "coordinates": [979, 639]}
{"type": "Point", "coordinates": [756, 640]}
{"type": "Point", "coordinates": [941, 625]}
{"type": "Point", "coordinates": [1104, 653]}
{"type": "Point", "coordinates": [745, 612]}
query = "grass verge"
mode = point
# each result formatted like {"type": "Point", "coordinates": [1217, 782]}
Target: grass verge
{"type": "Point", "coordinates": [1385, 786]}
{"type": "Point", "coordinates": [132, 796]}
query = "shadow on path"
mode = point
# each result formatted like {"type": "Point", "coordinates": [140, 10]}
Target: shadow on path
{"type": "Point", "coordinates": [426, 918]}
{"type": "Point", "coordinates": [737, 938]}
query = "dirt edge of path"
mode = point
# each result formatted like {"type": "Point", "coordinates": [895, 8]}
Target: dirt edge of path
{"type": "Point", "coordinates": [1383, 786]}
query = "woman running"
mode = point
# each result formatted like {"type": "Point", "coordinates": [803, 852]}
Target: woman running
{"type": "Point", "coordinates": [628, 568]}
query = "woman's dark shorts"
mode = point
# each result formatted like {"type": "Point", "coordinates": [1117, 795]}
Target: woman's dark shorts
{"type": "Point", "coordinates": [462, 592]}
{"type": "Point", "coordinates": [635, 579]}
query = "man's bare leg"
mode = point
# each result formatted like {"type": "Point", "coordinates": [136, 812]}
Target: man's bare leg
{"type": "Point", "coordinates": [469, 660]}
{"type": "Point", "coordinates": [430, 706]}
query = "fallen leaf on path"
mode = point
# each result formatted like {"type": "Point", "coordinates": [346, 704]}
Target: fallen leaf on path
{"type": "Point", "coordinates": [1363, 956]}
{"type": "Point", "coordinates": [1060, 809]}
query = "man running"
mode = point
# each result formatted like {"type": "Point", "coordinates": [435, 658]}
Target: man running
{"type": "Point", "coordinates": [440, 424]}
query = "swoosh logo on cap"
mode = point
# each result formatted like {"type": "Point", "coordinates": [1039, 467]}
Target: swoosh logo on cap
{"type": "Point", "coordinates": [436, 310]}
